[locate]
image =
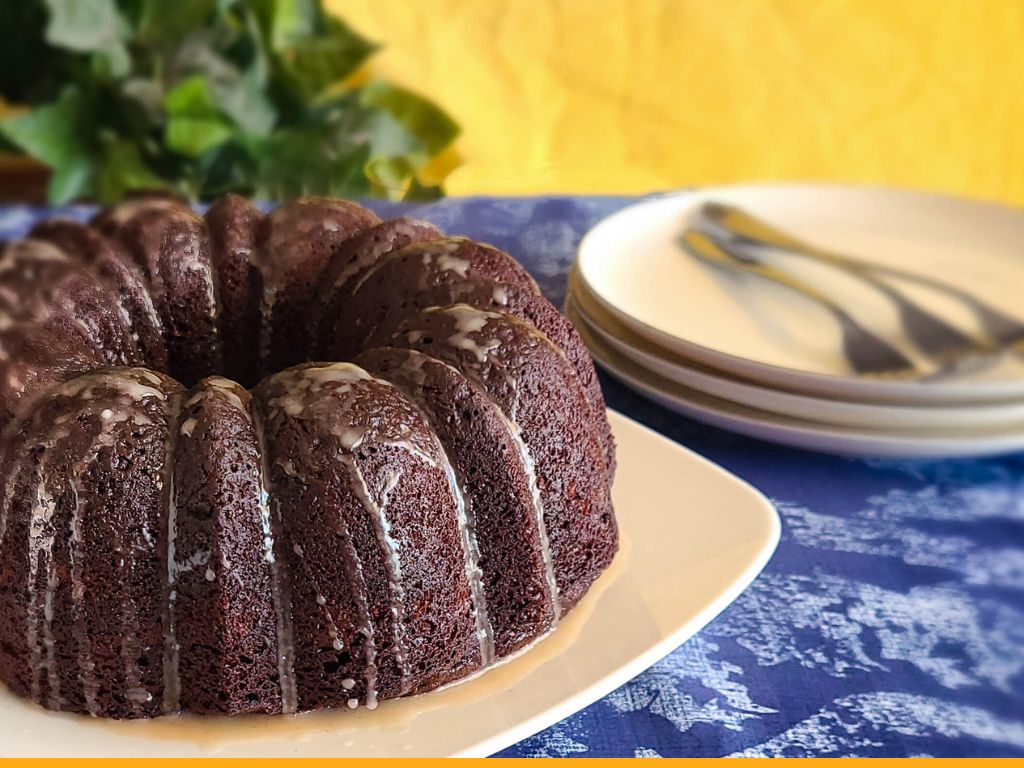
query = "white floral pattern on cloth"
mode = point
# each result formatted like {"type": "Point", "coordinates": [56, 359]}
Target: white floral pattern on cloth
{"type": "Point", "coordinates": [890, 622]}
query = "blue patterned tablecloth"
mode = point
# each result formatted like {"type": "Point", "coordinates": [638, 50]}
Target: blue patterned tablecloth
{"type": "Point", "coordinates": [890, 621]}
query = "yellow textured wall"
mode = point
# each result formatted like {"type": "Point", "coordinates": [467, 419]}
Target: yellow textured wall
{"type": "Point", "coordinates": [635, 95]}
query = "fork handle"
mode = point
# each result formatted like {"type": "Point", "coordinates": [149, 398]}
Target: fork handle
{"type": "Point", "coordinates": [866, 353]}
{"type": "Point", "coordinates": [736, 225]}
{"type": "Point", "coordinates": [704, 248]}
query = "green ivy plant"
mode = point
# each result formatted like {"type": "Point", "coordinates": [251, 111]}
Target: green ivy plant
{"type": "Point", "coordinates": [207, 97]}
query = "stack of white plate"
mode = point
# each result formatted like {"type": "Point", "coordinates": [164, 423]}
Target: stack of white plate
{"type": "Point", "coordinates": [757, 358]}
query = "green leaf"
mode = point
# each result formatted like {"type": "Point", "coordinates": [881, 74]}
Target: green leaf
{"type": "Point", "coordinates": [71, 181]}
{"type": "Point", "coordinates": [390, 175]}
{"type": "Point", "coordinates": [146, 93]}
{"type": "Point", "coordinates": [122, 170]}
{"type": "Point", "coordinates": [236, 70]}
{"type": "Point", "coordinates": [111, 64]}
{"type": "Point", "coordinates": [228, 168]}
{"type": "Point", "coordinates": [314, 63]}
{"type": "Point", "coordinates": [167, 21]}
{"type": "Point", "coordinates": [423, 119]}
{"type": "Point", "coordinates": [395, 178]}
{"type": "Point", "coordinates": [53, 133]}
{"type": "Point", "coordinates": [91, 26]}
{"type": "Point", "coordinates": [390, 139]}
{"type": "Point", "coordinates": [194, 123]}
{"type": "Point", "coordinates": [190, 97]}
{"type": "Point", "coordinates": [84, 25]}
{"type": "Point", "coordinates": [419, 193]}
{"type": "Point", "coordinates": [246, 103]}
{"type": "Point", "coordinates": [302, 161]}
{"type": "Point", "coordinates": [284, 21]}
{"type": "Point", "coordinates": [192, 137]}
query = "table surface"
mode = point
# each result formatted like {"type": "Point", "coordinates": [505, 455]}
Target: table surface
{"type": "Point", "coordinates": [890, 621]}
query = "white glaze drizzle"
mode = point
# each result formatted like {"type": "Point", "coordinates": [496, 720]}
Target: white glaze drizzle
{"type": "Point", "coordinates": [471, 554]}
{"type": "Point", "coordinates": [412, 367]}
{"type": "Point", "coordinates": [40, 553]}
{"type": "Point", "coordinates": [229, 389]}
{"type": "Point", "coordinates": [354, 575]}
{"type": "Point", "coordinates": [530, 467]}
{"type": "Point", "coordinates": [297, 384]}
{"type": "Point", "coordinates": [29, 249]}
{"type": "Point", "coordinates": [126, 387]}
{"type": "Point", "coordinates": [172, 649]}
{"type": "Point", "coordinates": [449, 263]}
{"type": "Point", "coordinates": [42, 537]}
{"type": "Point", "coordinates": [9, 296]}
{"type": "Point", "coordinates": [131, 649]}
{"type": "Point", "coordinates": [294, 401]}
{"type": "Point", "coordinates": [124, 383]}
{"type": "Point", "coordinates": [393, 564]}
{"type": "Point", "coordinates": [280, 588]}
{"type": "Point", "coordinates": [188, 248]}
{"type": "Point", "coordinates": [377, 252]}
{"type": "Point", "coordinates": [332, 625]}
{"type": "Point", "coordinates": [467, 319]}
{"type": "Point", "coordinates": [27, 256]}
{"type": "Point", "coordinates": [350, 436]}
{"type": "Point", "coordinates": [86, 665]}
{"type": "Point", "coordinates": [56, 701]}
{"type": "Point", "coordinates": [470, 320]}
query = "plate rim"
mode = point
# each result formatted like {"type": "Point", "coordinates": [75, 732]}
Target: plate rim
{"type": "Point", "coordinates": [741, 392]}
{"type": "Point", "coordinates": [804, 435]}
{"type": "Point", "coordinates": [806, 382]}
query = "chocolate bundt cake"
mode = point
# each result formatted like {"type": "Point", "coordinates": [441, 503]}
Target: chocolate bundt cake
{"type": "Point", "coordinates": [199, 514]}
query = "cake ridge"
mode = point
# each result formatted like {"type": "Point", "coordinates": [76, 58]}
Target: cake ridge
{"type": "Point", "coordinates": [481, 344]}
{"type": "Point", "coordinates": [41, 518]}
{"type": "Point", "coordinates": [298, 384]}
{"type": "Point", "coordinates": [39, 262]}
{"type": "Point", "coordinates": [356, 255]}
{"type": "Point", "coordinates": [86, 668]}
{"type": "Point", "coordinates": [172, 653]}
{"type": "Point", "coordinates": [470, 546]}
{"type": "Point", "coordinates": [370, 670]}
{"type": "Point", "coordinates": [530, 466]}
{"type": "Point", "coordinates": [56, 505]}
{"type": "Point", "coordinates": [295, 237]}
{"type": "Point", "coordinates": [171, 244]}
{"type": "Point", "coordinates": [472, 554]}
{"type": "Point", "coordinates": [280, 582]}
{"type": "Point", "coordinates": [469, 319]}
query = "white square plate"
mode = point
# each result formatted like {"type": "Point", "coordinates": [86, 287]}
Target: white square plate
{"type": "Point", "coordinates": [693, 538]}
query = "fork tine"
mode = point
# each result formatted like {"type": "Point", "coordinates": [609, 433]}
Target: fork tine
{"type": "Point", "coordinates": [866, 353]}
